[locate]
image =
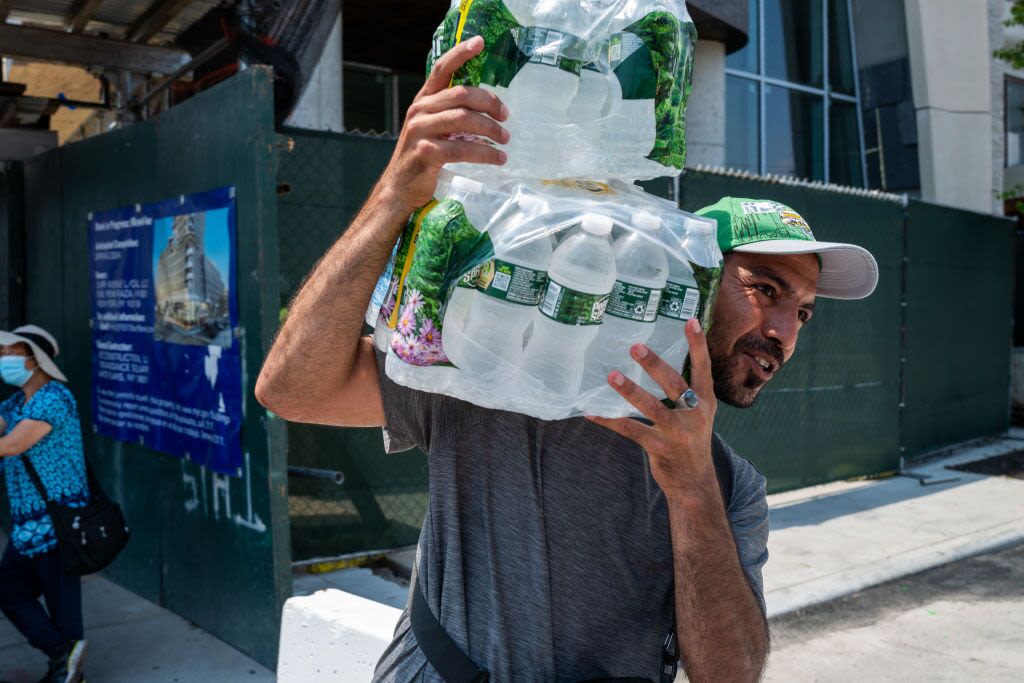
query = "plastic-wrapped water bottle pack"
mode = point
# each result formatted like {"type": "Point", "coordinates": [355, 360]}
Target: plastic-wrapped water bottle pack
{"type": "Point", "coordinates": [596, 88]}
{"type": "Point", "coordinates": [523, 295]}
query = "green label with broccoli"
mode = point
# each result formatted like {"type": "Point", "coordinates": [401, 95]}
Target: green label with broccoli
{"type": "Point", "coordinates": [571, 307]}
{"type": "Point", "coordinates": [634, 302]}
{"type": "Point", "coordinates": [679, 302]}
{"type": "Point", "coordinates": [513, 283]}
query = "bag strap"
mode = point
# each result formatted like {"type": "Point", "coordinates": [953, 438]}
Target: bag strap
{"type": "Point", "coordinates": [442, 652]}
{"type": "Point", "coordinates": [36, 481]}
{"type": "Point", "coordinates": [95, 491]}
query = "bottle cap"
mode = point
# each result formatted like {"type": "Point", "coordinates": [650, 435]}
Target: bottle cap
{"type": "Point", "coordinates": [596, 224]}
{"type": "Point", "coordinates": [462, 185]}
{"type": "Point", "coordinates": [646, 221]}
{"type": "Point", "coordinates": [704, 227]}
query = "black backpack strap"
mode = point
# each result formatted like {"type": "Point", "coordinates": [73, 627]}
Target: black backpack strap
{"type": "Point", "coordinates": [722, 460]}
{"type": "Point", "coordinates": [443, 654]}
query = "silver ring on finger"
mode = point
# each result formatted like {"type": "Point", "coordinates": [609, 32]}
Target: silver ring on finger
{"type": "Point", "coordinates": [689, 399]}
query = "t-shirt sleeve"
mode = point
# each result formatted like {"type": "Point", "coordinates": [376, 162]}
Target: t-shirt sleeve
{"type": "Point", "coordinates": [748, 514]}
{"type": "Point", "coordinates": [409, 415]}
{"type": "Point", "coordinates": [50, 405]}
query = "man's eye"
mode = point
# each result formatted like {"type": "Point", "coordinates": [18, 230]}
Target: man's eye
{"type": "Point", "coordinates": [767, 290]}
{"type": "Point", "coordinates": [804, 316]}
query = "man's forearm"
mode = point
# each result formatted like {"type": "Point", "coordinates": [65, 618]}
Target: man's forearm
{"type": "Point", "coordinates": [722, 633]}
{"type": "Point", "coordinates": [317, 346]}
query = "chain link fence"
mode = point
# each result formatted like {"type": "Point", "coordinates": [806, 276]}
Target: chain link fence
{"type": "Point", "coordinates": [381, 500]}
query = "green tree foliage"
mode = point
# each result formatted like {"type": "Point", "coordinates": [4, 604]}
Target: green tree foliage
{"type": "Point", "coordinates": [1014, 54]}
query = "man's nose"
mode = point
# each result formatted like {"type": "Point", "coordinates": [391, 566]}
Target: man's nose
{"type": "Point", "coordinates": [783, 326]}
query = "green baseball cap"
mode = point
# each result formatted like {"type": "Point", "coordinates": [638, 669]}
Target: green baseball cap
{"type": "Point", "coordinates": [764, 226]}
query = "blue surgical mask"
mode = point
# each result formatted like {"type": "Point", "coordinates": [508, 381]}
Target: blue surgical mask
{"type": "Point", "coordinates": [13, 370]}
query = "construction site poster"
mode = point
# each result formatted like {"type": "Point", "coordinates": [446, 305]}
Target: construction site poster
{"type": "Point", "coordinates": [166, 362]}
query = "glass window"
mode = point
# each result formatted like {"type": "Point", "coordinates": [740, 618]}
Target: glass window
{"type": "Point", "coordinates": [793, 39]}
{"type": "Point", "coordinates": [742, 120]}
{"type": "Point", "coordinates": [746, 59]}
{"type": "Point", "coordinates": [1014, 122]}
{"type": "Point", "coordinates": [844, 145]}
{"type": "Point", "coordinates": [367, 100]}
{"type": "Point", "coordinates": [840, 52]}
{"type": "Point", "coordinates": [794, 133]}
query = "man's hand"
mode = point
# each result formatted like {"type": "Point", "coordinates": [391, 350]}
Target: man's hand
{"type": "Point", "coordinates": [438, 113]}
{"type": "Point", "coordinates": [679, 442]}
{"type": "Point", "coordinates": [722, 633]}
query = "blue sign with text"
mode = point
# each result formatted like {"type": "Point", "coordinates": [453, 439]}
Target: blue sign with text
{"type": "Point", "coordinates": [166, 362]}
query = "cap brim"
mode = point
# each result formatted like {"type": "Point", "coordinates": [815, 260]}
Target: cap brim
{"type": "Point", "coordinates": [45, 362]}
{"type": "Point", "coordinates": [847, 271]}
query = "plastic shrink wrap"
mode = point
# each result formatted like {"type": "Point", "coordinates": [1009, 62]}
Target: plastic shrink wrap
{"type": "Point", "coordinates": [596, 88]}
{"type": "Point", "coordinates": [523, 295]}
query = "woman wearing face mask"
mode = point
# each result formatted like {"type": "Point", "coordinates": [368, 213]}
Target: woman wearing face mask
{"type": "Point", "coordinates": [39, 422]}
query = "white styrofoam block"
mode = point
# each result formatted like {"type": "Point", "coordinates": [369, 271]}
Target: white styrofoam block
{"type": "Point", "coordinates": [333, 636]}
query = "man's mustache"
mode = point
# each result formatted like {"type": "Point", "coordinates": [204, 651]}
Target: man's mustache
{"type": "Point", "coordinates": [757, 345]}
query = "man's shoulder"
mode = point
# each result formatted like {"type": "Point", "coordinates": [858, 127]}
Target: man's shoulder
{"type": "Point", "coordinates": [747, 480]}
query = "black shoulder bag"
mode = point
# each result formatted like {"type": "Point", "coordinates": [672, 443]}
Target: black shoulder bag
{"type": "Point", "coordinates": [88, 537]}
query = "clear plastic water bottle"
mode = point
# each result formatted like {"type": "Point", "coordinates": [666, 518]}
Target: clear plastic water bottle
{"type": "Point", "coordinates": [642, 269]}
{"type": "Point", "coordinates": [679, 302]}
{"type": "Point", "coordinates": [580, 280]}
{"type": "Point", "coordinates": [540, 93]}
{"type": "Point", "coordinates": [478, 209]}
{"type": "Point", "coordinates": [509, 289]}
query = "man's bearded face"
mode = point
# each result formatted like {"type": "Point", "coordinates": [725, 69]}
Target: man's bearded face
{"type": "Point", "coordinates": [763, 302]}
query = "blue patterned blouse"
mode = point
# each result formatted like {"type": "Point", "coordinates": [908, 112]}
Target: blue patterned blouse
{"type": "Point", "coordinates": [57, 457]}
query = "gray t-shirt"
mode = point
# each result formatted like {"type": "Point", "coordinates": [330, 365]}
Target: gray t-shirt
{"type": "Point", "coordinates": [545, 552]}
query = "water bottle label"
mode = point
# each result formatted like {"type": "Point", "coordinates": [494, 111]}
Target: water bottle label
{"type": "Point", "coordinates": [552, 48]}
{"type": "Point", "coordinates": [679, 302]}
{"type": "Point", "coordinates": [569, 307]}
{"type": "Point", "coordinates": [631, 61]}
{"type": "Point", "coordinates": [470, 279]}
{"type": "Point", "coordinates": [634, 302]}
{"type": "Point", "coordinates": [513, 283]}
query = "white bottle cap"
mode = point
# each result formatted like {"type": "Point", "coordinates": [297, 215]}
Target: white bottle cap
{"type": "Point", "coordinates": [531, 204]}
{"type": "Point", "coordinates": [646, 221]}
{"type": "Point", "coordinates": [464, 186]}
{"type": "Point", "coordinates": [596, 224]}
{"type": "Point", "coordinates": [701, 225]}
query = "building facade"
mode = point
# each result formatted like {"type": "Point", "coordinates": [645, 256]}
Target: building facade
{"type": "Point", "coordinates": [189, 288]}
{"type": "Point", "coordinates": [896, 95]}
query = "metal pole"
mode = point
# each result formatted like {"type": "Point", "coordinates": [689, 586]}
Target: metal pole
{"type": "Point", "coordinates": [314, 473]}
{"type": "Point", "coordinates": [202, 58]}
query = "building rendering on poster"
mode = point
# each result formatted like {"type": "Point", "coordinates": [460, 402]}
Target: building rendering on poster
{"type": "Point", "coordinates": [166, 363]}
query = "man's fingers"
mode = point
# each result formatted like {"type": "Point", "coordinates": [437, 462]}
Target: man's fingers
{"type": "Point", "coordinates": [700, 361]}
{"type": "Point", "coordinates": [445, 67]}
{"type": "Point", "coordinates": [462, 96]}
{"type": "Point", "coordinates": [624, 426]}
{"type": "Point", "coordinates": [649, 407]}
{"type": "Point", "coordinates": [461, 121]}
{"type": "Point", "coordinates": [457, 151]}
{"type": "Point", "coordinates": [667, 377]}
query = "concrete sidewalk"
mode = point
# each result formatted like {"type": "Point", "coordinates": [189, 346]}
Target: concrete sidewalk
{"type": "Point", "coordinates": [131, 640]}
{"type": "Point", "coordinates": [833, 540]}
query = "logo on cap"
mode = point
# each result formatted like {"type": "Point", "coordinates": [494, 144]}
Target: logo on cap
{"type": "Point", "coordinates": [794, 220]}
